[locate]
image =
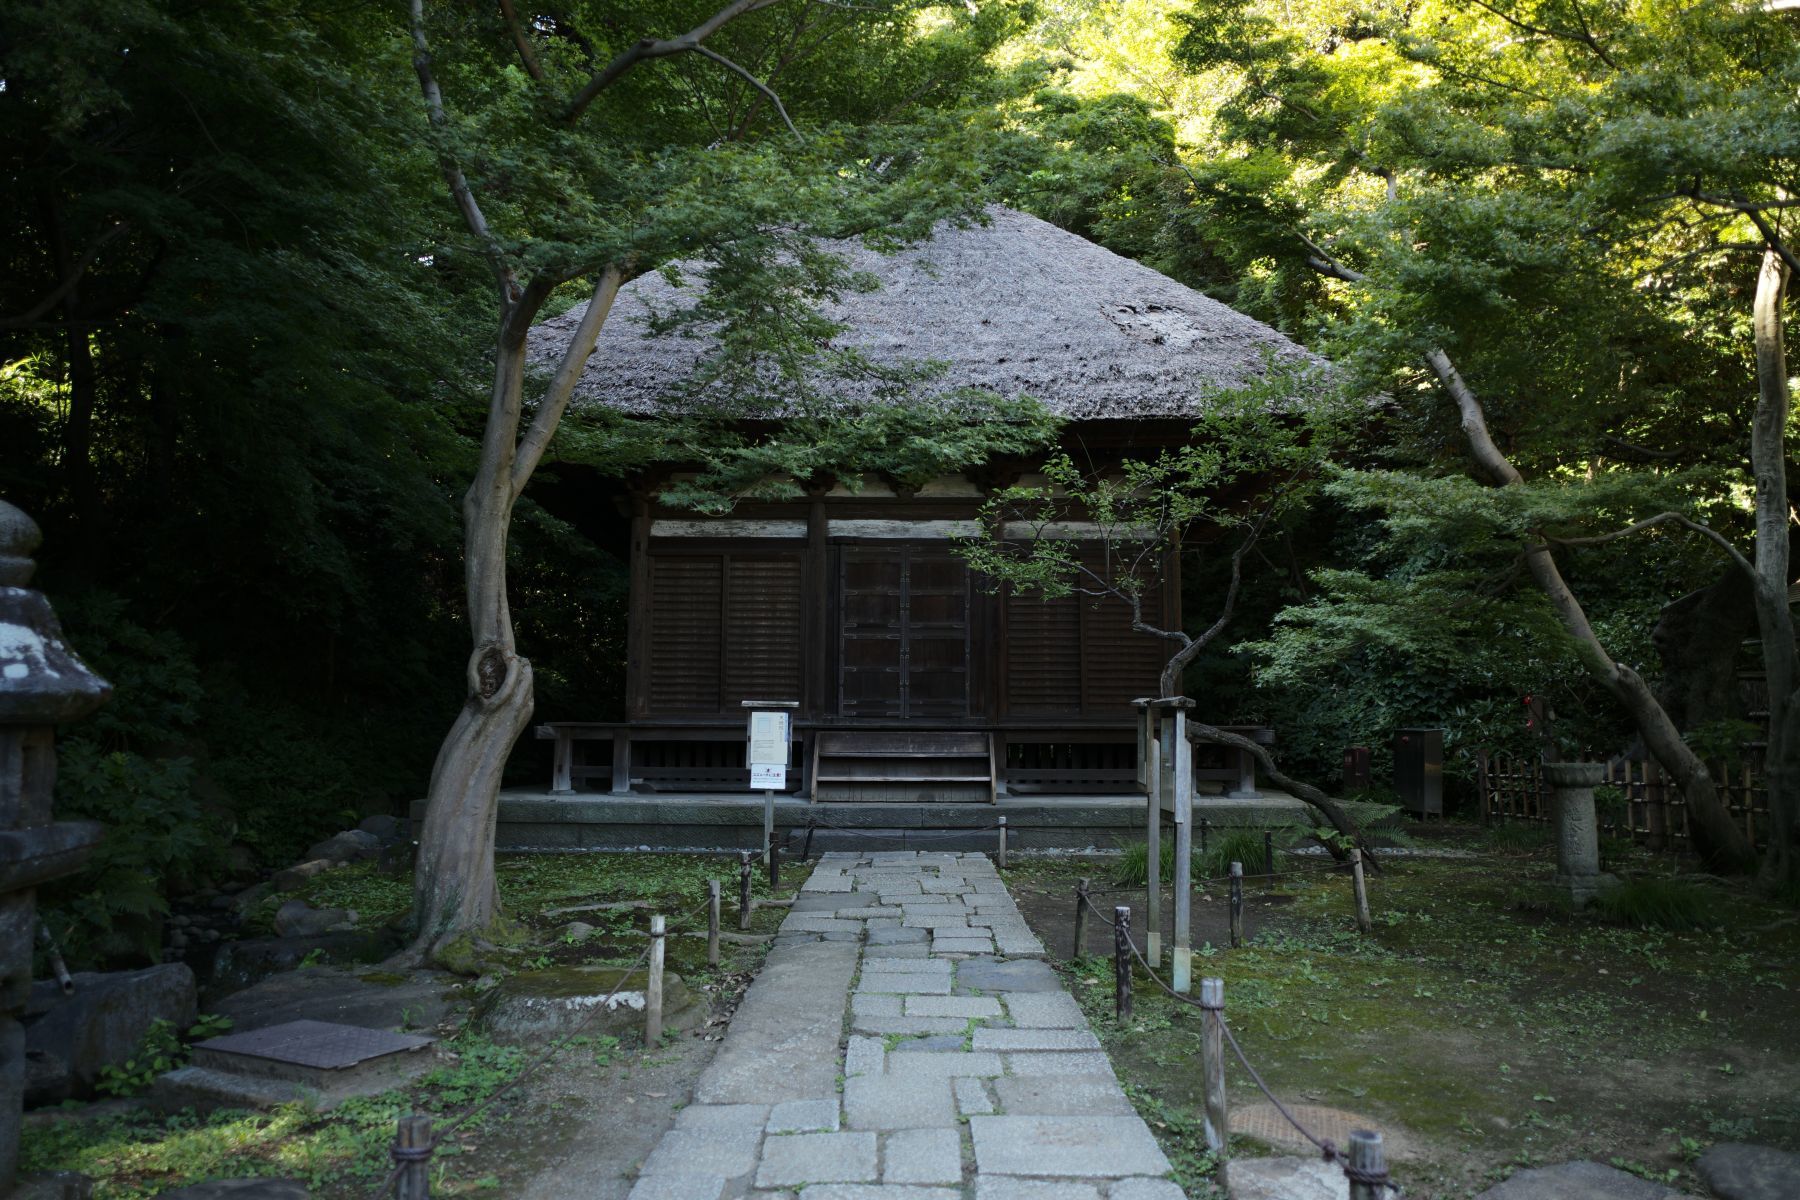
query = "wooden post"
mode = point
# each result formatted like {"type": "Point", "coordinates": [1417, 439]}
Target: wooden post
{"type": "Point", "coordinates": [1122, 963]}
{"type": "Point", "coordinates": [1081, 914]}
{"type": "Point", "coordinates": [1181, 967]}
{"type": "Point", "coordinates": [1366, 1166]}
{"type": "Point", "coordinates": [768, 852]}
{"type": "Point", "coordinates": [653, 986]}
{"type": "Point", "coordinates": [1153, 846]}
{"type": "Point", "coordinates": [561, 760]}
{"type": "Point", "coordinates": [1002, 859]}
{"type": "Point", "coordinates": [743, 889]}
{"type": "Point", "coordinates": [1237, 904]}
{"type": "Point", "coordinates": [712, 922]}
{"type": "Point", "coordinates": [1363, 921]}
{"type": "Point", "coordinates": [412, 1156]}
{"type": "Point", "coordinates": [1205, 828]}
{"type": "Point", "coordinates": [774, 867]}
{"type": "Point", "coordinates": [1269, 853]}
{"type": "Point", "coordinates": [1212, 1065]}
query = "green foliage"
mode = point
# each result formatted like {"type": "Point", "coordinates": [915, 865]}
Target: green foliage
{"type": "Point", "coordinates": [163, 1049]}
{"type": "Point", "coordinates": [1657, 902]}
{"type": "Point", "coordinates": [1225, 845]}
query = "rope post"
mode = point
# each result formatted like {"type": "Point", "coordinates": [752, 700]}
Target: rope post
{"type": "Point", "coordinates": [1122, 963]}
{"type": "Point", "coordinates": [743, 889]}
{"type": "Point", "coordinates": [653, 986]}
{"type": "Point", "coordinates": [1002, 859]}
{"type": "Point", "coordinates": [1363, 921]}
{"type": "Point", "coordinates": [1366, 1166]}
{"type": "Point", "coordinates": [411, 1153]}
{"type": "Point", "coordinates": [1081, 912]}
{"type": "Point", "coordinates": [1205, 828]}
{"type": "Point", "coordinates": [712, 922]}
{"type": "Point", "coordinates": [806, 846]}
{"type": "Point", "coordinates": [1212, 1066]}
{"type": "Point", "coordinates": [1269, 853]}
{"type": "Point", "coordinates": [774, 866]}
{"type": "Point", "coordinates": [1237, 904]}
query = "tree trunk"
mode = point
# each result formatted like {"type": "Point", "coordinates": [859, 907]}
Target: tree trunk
{"type": "Point", "coordinates": [1324, 805]}
{"type": "Point", "coordinates": [454, 892]}
{"type": "Point", "coordinates": [1775, 619]}
{"type": "Point", "coordinates": [1716, 836]}
{"type": "Point", "coordinates": [1697, 638]}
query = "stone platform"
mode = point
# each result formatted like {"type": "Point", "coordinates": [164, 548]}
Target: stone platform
{"type": "Point", "coordinates": [906, 1041]}
{"type": "Point", "coordinates": [538, 820]}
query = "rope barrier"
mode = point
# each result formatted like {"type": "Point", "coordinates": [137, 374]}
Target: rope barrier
{"type": "Point", "coordinates": [1326, 1147]}
{"type": "Point", "coordinates": [402, 1156]}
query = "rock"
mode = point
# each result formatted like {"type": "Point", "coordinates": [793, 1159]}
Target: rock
{"type": "Point", "coordinates": [533, 1005]}
{"type": "Point", "coordinates": [1576, 1181]}
{"type": "Point", "coordinates": [99, 1025]}
{"type": "Point", "coordinates": [1735, 1171]}
{"type": "Point", "coordinates": [237, 965]}
{"type": "Point", "coordinates": [346, 996]}
{"type": "Point", "coordinates": [578, 931]}
{"type": "Point", "coordinates": [352, 845]}
{"type": "Point", "coordinates": [290, 879]}
{"type": "Point", "coordinates": [385, 827]}
{"type": "Point", "coordinates": [1287, 1179]}
{"type": "Point", "coordinates": [251, 896]}
{"type": "Point", "coordinates": [241, 1189]}
{"type": "Point", "coordinates": [297, 918]}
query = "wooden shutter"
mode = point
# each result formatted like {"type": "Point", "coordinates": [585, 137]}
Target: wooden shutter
{"type": "Point", "coordinates": [764, 650]}
{"type": "Point", "coordinates": [686, 638]}
{"type": "Point", "coordinates": [1043, 654]}
{"type": "Point", "coordinates": [1118, 664]}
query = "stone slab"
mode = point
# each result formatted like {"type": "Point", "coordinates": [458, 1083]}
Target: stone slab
{"type": "Point", "coordinates": [724, 1153]}
{"type": "Point", "coordinates": [804, 1116]}
{"type": "Point", "coordinates": [1577, 1181]}
{"type": "Point", "coordinates": [722, 1118]}
{"type": "Point", "coordinates": [971, 1096]}
{"type": "Point", "coordinates": [793, 1014]}
{"type": "Point", "coordinates": [1035, 1039]}
{"type": "Point", "coordinates": [1050, 1062]}
{"type": "Point", "coordinates": [1089, 1147]}
{"type": "Point", "coordinates": [898, 1102]}
{"type": "Point", "coordinates": [677, 1187]}
{"type": "Point", "coordinates": [816, 1158]}
{"type": "Point", "coordinates": [1002, 1188]}
{"type": "Point", "coordinates": [1145, 1189]}
{"type": "Point", "coordinates": [893, 981]}
{"type": "Point", "coordinates": [922, 1156]}
{"type": "Point", "coordinates": [1045, 1010]}
{"type": "Point", "coordinates": [1287, 1179]}
{"type": "Point", "coordinates": [1009, 975]}
{"type": "Point", "coordinates": [965, 1007]}
{"type": "Point", "coordinates": [869, 1191]}
{"type": "Point", "coordinates": [943, 1065]}
{"type": "Point", "coordinates": [1062, 1095]}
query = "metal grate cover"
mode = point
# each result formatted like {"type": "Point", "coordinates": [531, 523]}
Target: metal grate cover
{"type": "Point", "coordinates": [323, 1045]}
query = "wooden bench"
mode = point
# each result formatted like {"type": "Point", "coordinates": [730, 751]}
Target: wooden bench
{"type": "Point", "coordinates": [877, 757]}
{"type": "Point", "coordinates": [1239, 771]}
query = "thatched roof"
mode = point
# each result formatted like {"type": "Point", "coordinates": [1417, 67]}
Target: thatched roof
{"type": "Point", "coordinates": [1017, 306]}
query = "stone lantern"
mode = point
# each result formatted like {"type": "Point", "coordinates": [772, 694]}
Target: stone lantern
{"type": "Point", "coordinates": [1572, 787]}
{"type": "Point", "coordinates": [42, 685]}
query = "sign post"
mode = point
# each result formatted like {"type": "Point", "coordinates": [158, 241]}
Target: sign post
{"type": "Point", "coordinates": [770, 735]}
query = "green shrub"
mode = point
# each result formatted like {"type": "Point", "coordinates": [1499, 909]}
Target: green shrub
{"type": "Point", "coordinates": [162, 1049]}
{"type": "Point", "coordinates": [1235, 843]}
{"type": "Point", "coordinates": [1657, 902]}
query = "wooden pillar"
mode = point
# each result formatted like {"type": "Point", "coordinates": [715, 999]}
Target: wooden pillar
{"type": "Point", "coordinates": [560, 762]}
{"type": "Point", "coordinates": [818, 700]}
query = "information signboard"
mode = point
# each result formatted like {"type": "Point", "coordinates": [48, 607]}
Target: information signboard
{"type": "Point", "coordinates": [768, 742]}
{"type": "Point", "coordinates": [768, 777]}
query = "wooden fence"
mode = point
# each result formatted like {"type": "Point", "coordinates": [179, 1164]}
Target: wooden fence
{"type": "Point", "coordinates": [1512, 788]}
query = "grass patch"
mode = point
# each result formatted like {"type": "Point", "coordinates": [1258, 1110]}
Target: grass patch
{"type": "Point", "coordinates": [1655, 902]}
{"type": "Point", "coordinates": [1225, 845]}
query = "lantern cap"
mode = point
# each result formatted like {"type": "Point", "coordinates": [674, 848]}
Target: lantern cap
{"type": "Point", "coordinates": [42, 680]}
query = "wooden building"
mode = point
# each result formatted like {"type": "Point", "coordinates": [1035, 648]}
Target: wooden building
{"type": "Point", "coordinates": [912, 680]}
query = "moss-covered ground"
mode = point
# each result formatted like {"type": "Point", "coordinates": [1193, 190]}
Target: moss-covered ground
{"type": "Point", "coordinates": [343, 1154]}
{"type": "Point", "coordinates": [1492, 1028]}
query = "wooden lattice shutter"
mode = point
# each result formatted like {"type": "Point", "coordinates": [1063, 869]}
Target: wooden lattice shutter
{"type": "Point", "coordinates": [686, 638]}
{"type": "Point", "coordinates": [1118, 664]}
{"type": "Point", "coordinates": [763, 657]}
{"type": "Point", "coordinates": [1043, 654]}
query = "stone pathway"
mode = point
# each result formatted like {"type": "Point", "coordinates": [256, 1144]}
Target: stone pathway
{"type": "Point", "coordinates": [905, 1040]}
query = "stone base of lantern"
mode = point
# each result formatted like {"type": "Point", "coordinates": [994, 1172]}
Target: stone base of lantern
{"type": "Point", "coordinates": [1582, 889]}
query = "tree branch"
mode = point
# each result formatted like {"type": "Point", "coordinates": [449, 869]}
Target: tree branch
{"type": "Point", "coordinates": [526, 54]}
{"type": "Point", "coordinates": [1662, 518]}
{"type": "Point", "coordinates": [70, 281]}
{"type": "Point", "coordinates": [646, 49]}
{"type": "Point", "coordinates": [562, 385]}
{"type": "Point", "coordinates": [460, 190]}
{"type": "Point", "coordinates": [759, 85]}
